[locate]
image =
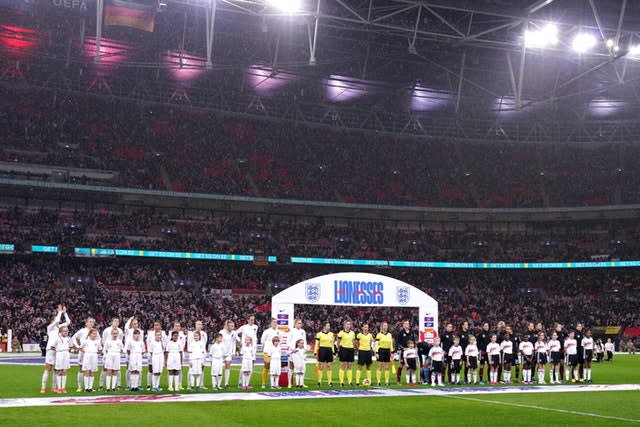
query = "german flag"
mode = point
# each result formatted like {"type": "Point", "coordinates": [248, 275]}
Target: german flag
{"type": "Point", "coordinates": [139, 14]}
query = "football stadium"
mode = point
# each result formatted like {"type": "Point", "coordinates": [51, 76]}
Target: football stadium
{"type": "Point", "coordinates": [319, 212]}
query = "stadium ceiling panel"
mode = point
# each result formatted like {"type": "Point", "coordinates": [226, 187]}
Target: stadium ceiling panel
{"type": "Point", "coordinates": [400, 66]}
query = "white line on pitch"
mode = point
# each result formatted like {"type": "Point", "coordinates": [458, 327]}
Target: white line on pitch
{"type": "Point", "coordinates": [544, 408]}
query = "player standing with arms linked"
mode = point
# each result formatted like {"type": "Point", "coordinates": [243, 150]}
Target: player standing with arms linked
{"type": "Point", "coordinates": [324, 349]}
{"type": "Point", "coordinates": [383, 349]}
{"type": "Point", "coordinates": [484, 337]}
{"type": "Point", "coordinates": [346, 352]}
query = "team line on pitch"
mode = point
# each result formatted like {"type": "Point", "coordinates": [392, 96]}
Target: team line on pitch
{"type": "Point", "coordinates": [310, 394]}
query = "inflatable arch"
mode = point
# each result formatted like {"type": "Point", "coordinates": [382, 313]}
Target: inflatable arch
{"type": "Point", "coordinates": [356, 289]}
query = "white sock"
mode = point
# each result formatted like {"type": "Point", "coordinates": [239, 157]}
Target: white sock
{"type": "Point", "coordinates": [128, 378]}
{"type": "Point", "coordinates": [118, 379]}
{"type": "Point", "coordinates": [135, 380]}
{"type": "Point", "coordinates": [408, 378]}
{"type": "Point", "coordinates": [179, 379]}
{"type": "Point", "coordinates": [439, 378]}
{"type": "Point", "coordinates": [102, 378]}
{"type": "Point", "coordinates": [45, 378]}
{"type": "Point", "coordinates": [227, 374]}
{"type": "Point", "coordinates": [108, 381]}
{"type": "Point", "coordinates": [149, 378]}
{"type": "Point", "coordinates": [80, 378]}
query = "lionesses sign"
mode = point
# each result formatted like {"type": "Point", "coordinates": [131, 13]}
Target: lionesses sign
{"type": "Point", "coordinates": [356, 289]}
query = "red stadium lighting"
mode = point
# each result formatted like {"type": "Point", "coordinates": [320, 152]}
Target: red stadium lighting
{"type": "Point", "coordinates": [18, 42]}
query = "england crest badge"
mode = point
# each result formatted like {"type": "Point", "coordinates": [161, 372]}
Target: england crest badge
{"type": "Point", "coordinates": [312, 292]}
{"type": "Point", "coordinates": [402, 293]}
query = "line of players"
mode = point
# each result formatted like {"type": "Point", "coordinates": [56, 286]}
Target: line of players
{"type": "Point", "coordinates": [167, 350]}
{"type": "Point", "coordinates": [569, 355]}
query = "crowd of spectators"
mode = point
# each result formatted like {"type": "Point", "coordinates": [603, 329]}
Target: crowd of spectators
{"type": "Point", "coordinates": [33, 286]}
{"type": "Point", "coordinates": [184, 150]}
{"type": "Point", "coordinates": [311, 236]}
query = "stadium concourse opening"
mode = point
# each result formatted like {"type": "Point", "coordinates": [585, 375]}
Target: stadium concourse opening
{"type": "Point", "coordinates": [356, 289]}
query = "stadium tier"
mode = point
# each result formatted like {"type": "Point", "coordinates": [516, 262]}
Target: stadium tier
{"type": "Point", "coordinates": [86, 140]}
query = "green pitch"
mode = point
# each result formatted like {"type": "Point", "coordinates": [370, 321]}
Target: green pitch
{"type": "Point", "coordinates": [580, 408]}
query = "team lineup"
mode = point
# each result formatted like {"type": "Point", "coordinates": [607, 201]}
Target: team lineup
{"type": "Point", "coordinates": [454, 357]}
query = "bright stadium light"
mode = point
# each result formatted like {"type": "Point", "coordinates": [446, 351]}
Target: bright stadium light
{"type": "Point", "coordinates": [288, 6]}
{"type": "Point", "coordinates": [634, 51]}
{"type": "Point", "coordinates": [583, 42]}
{"type": "Point", "coordinates": [541, 38]}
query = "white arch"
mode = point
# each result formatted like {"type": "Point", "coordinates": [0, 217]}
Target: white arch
{"type": "Point", "coordinates": [356, 289]}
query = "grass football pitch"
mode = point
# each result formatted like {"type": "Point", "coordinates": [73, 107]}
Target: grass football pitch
{"type": "Point", "coordinates": [601, 408]}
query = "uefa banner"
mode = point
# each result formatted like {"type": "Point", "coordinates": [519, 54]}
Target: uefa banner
{"type": "Point", "coordinates": [78, 8]}
{"type": "Point", "coordinates": [358, 290]}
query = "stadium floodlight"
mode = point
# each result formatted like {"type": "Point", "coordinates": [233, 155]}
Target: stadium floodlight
{"type": "Point", "coordinates": [543, 37]}
{"type": "Point", "coordinates": [583, 42]}
{"type": "Point", "coordinates": [634, 51]}
{"type": "Point", "coordinates": [288, 6]}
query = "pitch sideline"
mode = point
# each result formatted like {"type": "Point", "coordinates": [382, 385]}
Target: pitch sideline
{"type": "Point", "coordinates": [311, 394]}
{"type": "Point", "coordinates": [544, 408]}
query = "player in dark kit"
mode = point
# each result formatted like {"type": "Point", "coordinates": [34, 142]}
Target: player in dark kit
{"type": "Point", "coordinates": [562, 335]}
{"type": "Point", "coordinates": [532, 335]}
{"type": "Point", "coordinates": [447, 341]}
{"type": "Point", "coordinates": [579, 335]}
{"type": "Point", "coordinates": [404, 335]}
{"type": "Point", "coordinates": [484, 337]}
{"type": "Point", "coordinates": [463, 335]}
{"type": "Point", "coordinates": [517, 360]}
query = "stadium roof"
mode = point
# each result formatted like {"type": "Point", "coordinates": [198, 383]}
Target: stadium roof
{"type": "Point", "coordinates": [401, 66]}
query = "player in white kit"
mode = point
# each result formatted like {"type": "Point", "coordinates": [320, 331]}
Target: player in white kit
{"type": "Point", "coordinates": [52, 335]}
{"type": "Point", "coordinates": [275, 356]}
{"type": "Point", "coordinates": [174, 357]}
{"type": "Point", "coordinates": [135, 350]}
{"type": "Point", "coordinates": [113, 349]}
{"type": "Point", "coordinates": [89, 349]}
{"type": "Point", "coordinates": [77, 339]}
{"type": "Point", "coordinates": [62, 345]}
{"type": "Point", "coordinates": [217, 353]}
{"type": "Point", "coordinates": [229, 344]}
{"type": "Point", "coordinates": [296, 334]}
{"type": "Point", "coordinates": [151, 335]}
{"type": "Point", "coordinates": [197, 353]}
{"type": "Point", "coordinates": [250, 329]}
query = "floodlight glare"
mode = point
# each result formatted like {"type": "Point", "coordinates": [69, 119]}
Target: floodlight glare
{"type": "Point", "coordinates": [634, 51]}
{"type": "Point", "coordinates": [583, 42]}
{"type": "Point", "coordinates": [610, 43]}
{"type": "Point", "coordinates": [542, 37]}
{"type": "Point", "coordinates": [288, 6]}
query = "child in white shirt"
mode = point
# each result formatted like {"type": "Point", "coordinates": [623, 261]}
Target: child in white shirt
{"type": "Point", "coordinates": [275, 367]}
{"type": "Point", "coordinates": [299, 359]}
{"type": "Point", "coordinates": [217, 353]}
